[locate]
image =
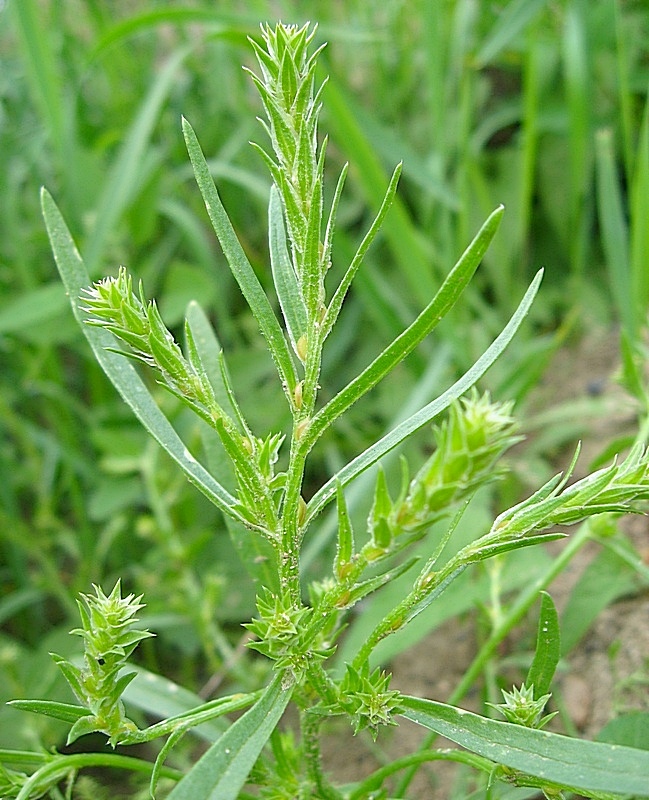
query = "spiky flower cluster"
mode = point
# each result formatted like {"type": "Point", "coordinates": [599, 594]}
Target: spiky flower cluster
{"type": "Point", "coordinates": [468, 445]}
{"type": "Point", "coordinates": [292, 107]}
{"type": "Point", "coordinates": [367, 698]}
{"type": "Point", "coordinates": [521, 708]}
{"type": "Point", "coordinates": [109, 639]}
{"type": "Point", "coordinates": [614, 489]}
{"type": "Point", "coordinates": [113, 305]}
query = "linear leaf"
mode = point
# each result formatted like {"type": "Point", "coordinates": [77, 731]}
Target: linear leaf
{"type": "Point", "coordinates": [443, 301]}
{"type": "Point", "coordinates": [126, 171]}
{"type": "Point", "coordinates": [614, 228]}
{"type": "Point", "coordinates": [239, 264]}
{"type": "Point", "coordinates": [284, 278]}
{"type": "Point", "coordinates": [428, 412]}
{"type": "Point", "coordinates": [50, 708]}
{"type": "Point", "coordinates": [548, 648]}
{"type": "Point", "coordinates": [119, 369]}
{"type": "Point", "coordinates": [223, 770]}
{"type": "Point", "coordinates": [341, 291]}
{"type": "Point", "coordinates": [515, 16]}
{"type": "Point", "coordinates": [209, 352]}
{"type": "Point", "coordinates": [164, 699]}
{"type": "Point", "coordinates": [579, 764]}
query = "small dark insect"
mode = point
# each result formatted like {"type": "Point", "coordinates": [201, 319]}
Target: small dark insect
{"type": "Point", "coordinates": [101, 661]}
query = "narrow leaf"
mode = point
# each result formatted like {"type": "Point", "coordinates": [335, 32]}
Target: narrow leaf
{"type": "Point", "coordinates": [548, 648]}
{"type": "Point", "coordinates": [64, 711]}
{"type": "Point", "coordinates": [286, 286]}
{"type": "Point", "coordinates": [208, 354]}
{"type": "Point", "coordinates": [448, 294]}
{"type": "Point", "coordinates": [119, 370]}
{"type": "Point", "coordinates": [428, 412]}
{"type": "Point", "coordinates": [125, 174]}
{"type": "Point", "coordinates": [337, 300]}
{"type": "Point", "coordinates": [575, 763]}
{"type": "Point", "coordinates": [514, 17]}
{"type": "Point", "coordinates": [239, 264]}
{"type": "Point", "coordinates": [345, 544]}
{"type": "Point", "coordinates": [615, 233]}
{"type": "Point", "coordinates": [223, 770]}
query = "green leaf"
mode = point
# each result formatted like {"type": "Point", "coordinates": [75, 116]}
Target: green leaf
{"type": "Point", "coordinates": [615, 233]}
{"type": "Point", "coordinates": [83, 726]}
{"type": "Point", "coordinates": [345, 543]}
{"type": "Point", "coordinates": [631, 730]}
{"type": "Point", "coordinates": [49, 708]}
{"type": "Point", "coordinates": [428, 412]}
{"type": "Point", "coordinates": [120, 370]}
{"type": "Point", "coordinates": [125, 174]}
{"type": "Point", "coordinates": [574, 763]}
{"type": "Point", "coordinates": [33, 308]}
{"type": "Point", "coordinates": [443, 301]}
{"type": "Point", "coordinates": [607, 577]}
{"type": "Point", "coordinates": [548, 648]}
{"type": "Point", "coordinates": [286, 286]}
{"type": "Point", "coordinates": [511, 21]}
{"type": "Point", "coordinates": [337, 300]}
{"type": "Point", "coordinates": [159, 697]}
{"type": "Point", "coordinates": [205, 354]}
{"type": "Point", "coordinates": [223, 770]}
{"type": "Point", "coordinates": [239, 264]}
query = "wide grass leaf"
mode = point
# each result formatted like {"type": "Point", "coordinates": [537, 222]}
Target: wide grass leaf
{"type": "Point", "coordinates": [579, 764]}
{"type": "Point", "coordinates": [224, 769]}
{"type": "Point", "coordinates": [120, 371]}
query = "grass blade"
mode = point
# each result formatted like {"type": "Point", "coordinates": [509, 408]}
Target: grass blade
{"type": "Point", "coordinates": [223, 770]}
{"type": "Point", "coordinates": [428, 412]}
{"type": "Point", "coordinates": [120, 370]}
{"type": "Point", "coordinates": [639, 213]}
{"type": "Point", "coordinates": [579, 764]}
{"type": "Point", "coordinates": [239, 264]}
{"type": "Point", "coordinates": [217, 23]}
{"type": "Point", "coordinates": [126, 170]}
{"type": "Point", "coordinates": [43, 71]}
{"type": "Point", "coordinates": [615, 235]}
{"type": "Point", "coordinates": [513, 19]}
{"type": "Point", "coordinates": [410, 251]}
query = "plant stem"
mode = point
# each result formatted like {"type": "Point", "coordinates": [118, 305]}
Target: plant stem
{"type": "Point", "coordinates": [525, 601]}
{"type": "Point", "coordinates": [61, 766]}
{"type": "Point", "coordinates": [310, 726]}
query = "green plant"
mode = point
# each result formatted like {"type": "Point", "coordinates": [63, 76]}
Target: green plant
{"type": "Point", "coordinates": [297, 626]}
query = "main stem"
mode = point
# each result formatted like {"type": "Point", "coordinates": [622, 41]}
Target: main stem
{"type": "Point", "coordinates": [291, 521]}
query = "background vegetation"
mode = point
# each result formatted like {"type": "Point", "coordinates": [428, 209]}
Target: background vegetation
{"type": "Point", "coordinates": [538, 104]}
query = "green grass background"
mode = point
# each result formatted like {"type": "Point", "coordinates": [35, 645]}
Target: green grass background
{"type": "Point", "coordinates": [537, 104]}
